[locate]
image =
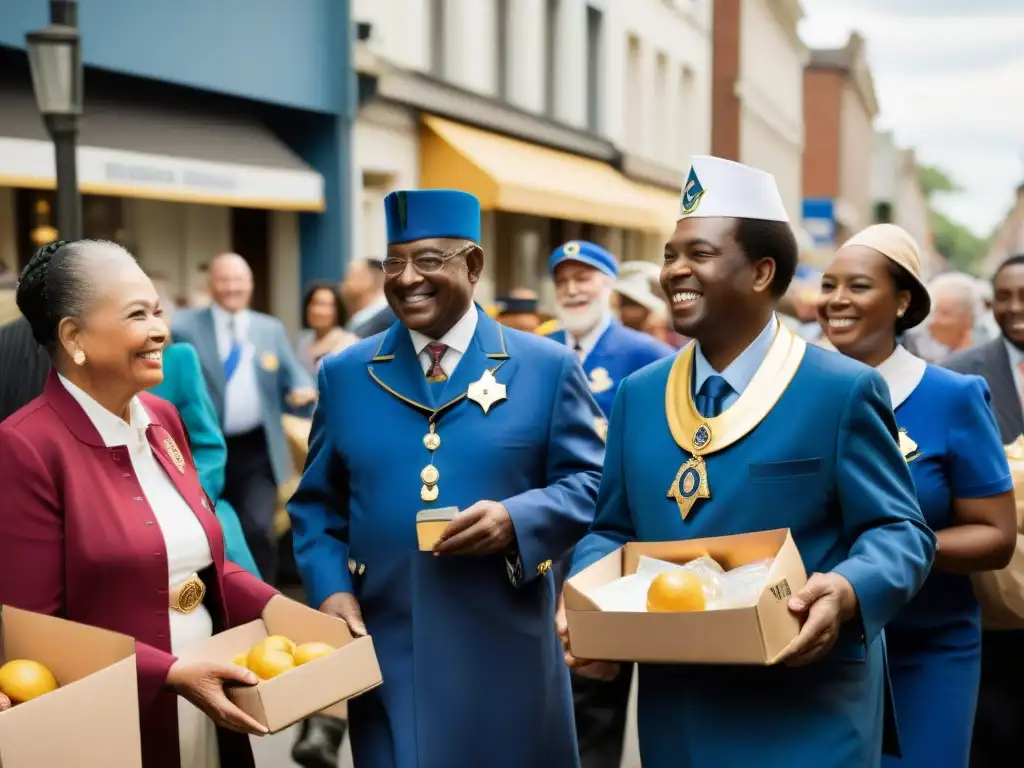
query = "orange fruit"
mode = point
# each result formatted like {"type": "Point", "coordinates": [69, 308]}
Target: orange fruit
{"type": "Point", "coordinates": [24, 680]}
{"type": "Point", "coordinates": [675, 591]}
{"type": "Point", "coordinates": [240, 659]}
{"type": "Point", "coordinates": [308, 652]}
{"type": "Point", "coordinates": [266, 664]}
{"type": "Point", "coordinates": [278, 642]}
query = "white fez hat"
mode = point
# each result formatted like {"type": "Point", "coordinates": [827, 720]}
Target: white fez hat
{"type": "Point", "coordinates": [717, 187]}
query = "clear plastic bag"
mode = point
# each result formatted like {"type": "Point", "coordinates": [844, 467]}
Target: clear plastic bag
{"type": "Point", "coordinates": [742, 586]}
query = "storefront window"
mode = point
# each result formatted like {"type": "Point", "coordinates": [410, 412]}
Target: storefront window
{"type": "Point", "coordinates": [36, 220]}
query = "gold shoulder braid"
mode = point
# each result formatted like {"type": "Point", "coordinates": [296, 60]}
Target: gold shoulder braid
{"type": "Point", "coordinates": [699, 436]}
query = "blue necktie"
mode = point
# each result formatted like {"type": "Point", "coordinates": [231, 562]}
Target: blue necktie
{"type": "Point", "coordinates": [710, 401]}
{"type": "Point", "coordinates": [234, 354]}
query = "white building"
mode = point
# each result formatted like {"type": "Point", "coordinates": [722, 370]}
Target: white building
{"type": "Point", "coordinates": [758, 93]}
{"type": "Point", "coordinates": [567, 118]}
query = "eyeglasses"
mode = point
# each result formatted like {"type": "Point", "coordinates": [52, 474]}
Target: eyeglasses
{"type": "Point", "coordinates": [426, 264]}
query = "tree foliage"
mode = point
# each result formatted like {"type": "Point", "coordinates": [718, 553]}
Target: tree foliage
{"type": "Point", "coordinates": [958, 243]}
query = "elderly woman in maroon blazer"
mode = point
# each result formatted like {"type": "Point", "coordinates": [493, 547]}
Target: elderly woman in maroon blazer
{"type": "Point", "coordinates": [103, 519]}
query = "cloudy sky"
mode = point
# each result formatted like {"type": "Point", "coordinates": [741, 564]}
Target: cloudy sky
{"type": "Point", "coordinates": [949, 75]}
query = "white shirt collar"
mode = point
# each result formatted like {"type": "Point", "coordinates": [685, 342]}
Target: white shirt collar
{"type": "Point", "coordinates": [458, 337]}
{"type": "Point", "coordinates": [589, 340]}
{"type": "Point", "coordinates": [1014, 353]}
{"type": "Point", "coordinates": [902, 371]}
{"type": "Point", "coordinates": [222, 318]}
{"type": "Point", "coordinates": [112, 430]}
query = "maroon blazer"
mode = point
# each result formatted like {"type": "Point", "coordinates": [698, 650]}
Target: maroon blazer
{"type": "Point", "coordinates": [78, 540]}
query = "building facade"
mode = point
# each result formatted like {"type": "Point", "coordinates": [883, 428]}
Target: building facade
{"type": "Point", "coordinates": [567, 118]}
{"type": "Point", "coordinates": [1008, 239]}
{"type": "Point", "coordinates": [207, 127]}
{"type": "Point", "coordinates": [840, 104]}
{"type": "Point", "coordinates": [757, 92]}
{"type": "Point", "coordinates": [898, 198]}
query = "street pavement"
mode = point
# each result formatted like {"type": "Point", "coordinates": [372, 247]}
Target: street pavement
{"type": "Point", "coordinates": [275, 751]}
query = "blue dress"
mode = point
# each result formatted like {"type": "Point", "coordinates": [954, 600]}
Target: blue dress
{"type": "Point", "coordinates": [934, 643]}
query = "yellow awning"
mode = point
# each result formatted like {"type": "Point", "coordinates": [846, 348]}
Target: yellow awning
{"type": "Point", "coordinates": [666, 204]}
{"type": "Point", "coordinates": [515, 176]}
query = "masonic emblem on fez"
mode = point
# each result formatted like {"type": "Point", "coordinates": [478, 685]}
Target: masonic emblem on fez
{"type": "Point", "coordinates": [692, 194]}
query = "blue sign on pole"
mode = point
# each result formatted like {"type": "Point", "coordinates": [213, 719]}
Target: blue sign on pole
{"type": "Point", "coordinates": [820, 220]}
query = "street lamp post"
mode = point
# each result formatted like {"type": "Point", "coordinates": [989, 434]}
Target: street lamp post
{"type": "Point", "coordinates": [55, 58]}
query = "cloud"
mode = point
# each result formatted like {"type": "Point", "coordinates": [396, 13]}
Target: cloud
{"type": "Point", "coordinates": [949, 75]}
{"type": "Point", "coordinates": [930, 8]}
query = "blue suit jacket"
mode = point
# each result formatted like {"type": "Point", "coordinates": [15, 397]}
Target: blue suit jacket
{"type": "Point", "coordinates": [268, 336]}
{"type": "Point", "coordinates": [183, 387]}
{"type": "Point", "coordinates": [464, 648]}
{"type": "Point", "coordinates": [825, 463]}
{"type": "Point", "coordinates": [619, 352]}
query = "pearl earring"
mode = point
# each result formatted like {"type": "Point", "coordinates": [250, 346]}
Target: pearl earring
{"type": "Point", "coordinates": [899, 312]}
{"type": "Point", "coordinates": [79, 357]}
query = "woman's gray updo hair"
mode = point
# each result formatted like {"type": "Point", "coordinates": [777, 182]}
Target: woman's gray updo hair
{"type": "Point", "coordinates": [57, 283]}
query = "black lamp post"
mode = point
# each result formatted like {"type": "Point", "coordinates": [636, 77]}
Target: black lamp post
{"type": "Point", "coordinates": [55, 58]}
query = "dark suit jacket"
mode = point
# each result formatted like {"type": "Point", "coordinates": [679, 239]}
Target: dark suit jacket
{"type": "Point", "coordinates": [24, 366]}
{"type": "Point", "coordinates": [378, 323]}
{"type": "Point", "coordinates": [992, 362]}
{"type": "Point", "coordinates": [78, 540]}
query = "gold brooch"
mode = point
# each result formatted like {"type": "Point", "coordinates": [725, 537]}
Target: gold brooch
{"type": "Point", "coordinates": [175, 454]}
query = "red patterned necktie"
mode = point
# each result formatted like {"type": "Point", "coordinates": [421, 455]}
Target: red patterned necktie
{"type": "Point", "coordinates": [435, 372]}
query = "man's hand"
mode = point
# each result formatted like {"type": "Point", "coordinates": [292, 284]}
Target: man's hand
{"type": "Point", "coordinates": [828, 600]}
{"type": "Point", "coordinates": [483, 529]}
{"type": "Point", "coordinates": [598, 670]}
{"type": "Point", "coordinates": [301, 396]}
{"type": "Point", "coordinates": [344, 606]}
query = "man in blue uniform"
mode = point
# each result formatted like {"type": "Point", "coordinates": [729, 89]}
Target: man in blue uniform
{"type": "Point", "coordinates": [584, 275]}
{"type": "Point", "coordinates": [449, 409]}
{"type": "Point", "coordinates": [749, 429]}
{"type": "Point", "coordinates": [585, 278]}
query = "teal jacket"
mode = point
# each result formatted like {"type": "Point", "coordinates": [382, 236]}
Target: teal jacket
{"type": "Point", "coordinates": [184, 388]}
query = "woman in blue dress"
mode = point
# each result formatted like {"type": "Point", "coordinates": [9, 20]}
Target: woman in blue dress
{"type": "Point", "coordinates": [870, 294]}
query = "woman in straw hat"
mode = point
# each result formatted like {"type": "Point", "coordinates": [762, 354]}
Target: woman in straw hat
{"type": "Point", "coordinates": [871, 293]}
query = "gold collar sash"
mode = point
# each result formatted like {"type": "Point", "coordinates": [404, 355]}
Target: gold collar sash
{"type": "Point", "coordinates": [764, 391]}
{"type": "Point", "coordinates": [699, 436]}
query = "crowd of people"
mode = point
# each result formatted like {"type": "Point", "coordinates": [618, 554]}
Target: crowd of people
{"type": "Point", "coordinates": [148, 452]}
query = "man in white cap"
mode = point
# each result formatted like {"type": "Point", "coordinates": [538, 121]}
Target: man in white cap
{"type": "Point", "coordinates": [749, 429]}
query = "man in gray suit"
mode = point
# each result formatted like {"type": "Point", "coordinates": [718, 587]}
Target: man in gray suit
{"type": "Point", "coordinates": [363, 292]}
{"type": "Point", "coordinates": [999, 723]}
{"type": "Point", "coordinates": [253, 377]}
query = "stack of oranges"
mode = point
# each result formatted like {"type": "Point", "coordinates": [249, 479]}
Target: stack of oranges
{"type": "Point", "coordinates": [277, 654]}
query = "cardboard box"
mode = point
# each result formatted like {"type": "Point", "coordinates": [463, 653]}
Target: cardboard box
{"type": "Point", "coordinates": [350, 670]}
{"type": "Point", "coordinates": [92, 719]}
{"type": "Point", "coordinates": [430, 524]}
{"type": "Point", "coordinates": [754, 635]}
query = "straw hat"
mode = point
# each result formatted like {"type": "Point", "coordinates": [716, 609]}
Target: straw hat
{"type": "Point", "coordinates": [896, 244]}
{"type": "Point", "coordinates": [637, 288]}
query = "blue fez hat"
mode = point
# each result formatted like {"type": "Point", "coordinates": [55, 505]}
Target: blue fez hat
{"type": "Point", "coordinates": [591, 254]}
{"type": "Point", "coordinates": [424, 214]}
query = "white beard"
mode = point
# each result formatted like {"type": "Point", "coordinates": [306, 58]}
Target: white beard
{"type": "Point", "coordinates": [580, 321]}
